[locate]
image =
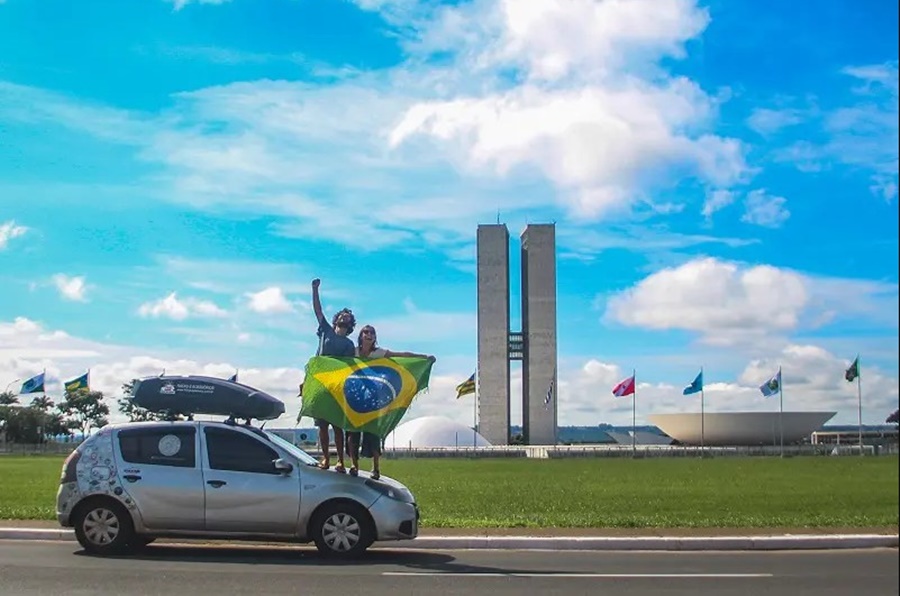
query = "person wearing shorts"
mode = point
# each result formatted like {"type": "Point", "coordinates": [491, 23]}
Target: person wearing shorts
{"type": "Point", "coordinates": [333, 341]}
{"type": "Point", "coordinates": [370, 443]}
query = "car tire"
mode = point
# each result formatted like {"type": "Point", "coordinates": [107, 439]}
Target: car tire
{"type": "Point", "coordinates": [342, 530]}
{"type": "Point", "coordinates": [104, 527]}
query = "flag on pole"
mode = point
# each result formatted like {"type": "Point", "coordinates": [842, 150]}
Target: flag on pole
{"type": "Point", "coordinates": [81, 382]}
{"type": "Point", "coordinates": [466, 387]}
{"type": "Point", "coordinates": [549, 396]}
{"type": "Point", "coordinates": [851, 373]}
{"type": "Point", "coordinates": [624, 388]}
{"type": "Point", "coordinates": [696, 386]}
{"type": "Point", "coordinates": [33, 385]}
{"type": "Point", "coordinates": [772, 386]}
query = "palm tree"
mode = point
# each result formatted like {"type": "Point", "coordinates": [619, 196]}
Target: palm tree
{"type": "Point", "coordinates": [42, 403]}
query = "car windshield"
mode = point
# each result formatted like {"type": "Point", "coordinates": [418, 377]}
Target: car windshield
{"type": "Point", "coordinates": [291, 448]}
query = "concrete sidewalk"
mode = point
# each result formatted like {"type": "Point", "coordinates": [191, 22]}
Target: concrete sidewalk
{"type": "Point", "coordinates": [543, 540]}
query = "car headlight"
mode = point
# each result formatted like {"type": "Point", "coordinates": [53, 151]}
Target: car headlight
{"type": "Point", "coordinates": [391, 492]}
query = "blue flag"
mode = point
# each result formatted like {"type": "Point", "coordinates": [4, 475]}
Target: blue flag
{"type": "Point", "coordinates": [33, 385]}
{"type": "Point", "coordinates": [696, 386]}
{"type": "Point", "coordinates": [772, 386]}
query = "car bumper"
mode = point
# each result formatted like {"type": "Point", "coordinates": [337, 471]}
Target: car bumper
{"type": "Point", "coordinates": [395, 520]}
{"type": "Point", "coordinates": [66, 497]}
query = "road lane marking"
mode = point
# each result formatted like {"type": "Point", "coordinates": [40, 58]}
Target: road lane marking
{"type": "Point", "coordinates": [588, 575]}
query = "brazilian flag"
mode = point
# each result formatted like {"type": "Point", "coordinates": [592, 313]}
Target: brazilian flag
{"type": "Point", "coordinates": [79, 383]}
{"type": "Point", "coordinates": [362, 394]}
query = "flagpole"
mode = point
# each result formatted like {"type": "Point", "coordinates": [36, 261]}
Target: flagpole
{"type": "Point", "coordinates": [475, 418]}
{"type": "Point", "coordinates": [781, 406]}
{"type": "Point", "coordinates": [859, 402]}
{"type": "Point", "coordinates": [702, 414]}
{"type": "Point", "coordinates": [633, 414]}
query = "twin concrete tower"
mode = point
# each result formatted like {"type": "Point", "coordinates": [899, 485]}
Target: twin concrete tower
{"type": "Point", "coordinates": [534, 344]}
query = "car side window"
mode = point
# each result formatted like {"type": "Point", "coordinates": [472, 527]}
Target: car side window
{"type": "Point", "coordinates": [234, 451]}
{"type": "Point", "coordinates": [159, 446]}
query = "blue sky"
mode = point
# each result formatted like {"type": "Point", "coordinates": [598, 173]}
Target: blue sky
{"type": "Point", "coordinates": [723, 177]}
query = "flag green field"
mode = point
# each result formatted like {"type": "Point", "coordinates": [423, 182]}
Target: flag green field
{"type": "Point", "coordinates": [800, 492]}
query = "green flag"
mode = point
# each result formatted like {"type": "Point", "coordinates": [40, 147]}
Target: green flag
{"type": "Point", "coordinates": [363, 395]}
{"type": "Point", "coordinates": [851, 373]}
{"type": "Point", "coordinates": [81, 382]}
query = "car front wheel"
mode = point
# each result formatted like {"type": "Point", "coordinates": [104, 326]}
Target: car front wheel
{"type": "Point", "coordinates": [342, 530]}
{"type": "Point", "coordinates": [104, 527]}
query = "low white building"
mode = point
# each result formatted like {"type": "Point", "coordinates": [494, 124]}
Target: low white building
{"type": "Point", "coordinates": [433, 431]}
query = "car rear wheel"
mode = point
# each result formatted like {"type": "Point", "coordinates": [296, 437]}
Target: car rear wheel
{"type": "Point", "coordinates": [342, 530]}
{"type": "Point", "coordinates": [104, 527]}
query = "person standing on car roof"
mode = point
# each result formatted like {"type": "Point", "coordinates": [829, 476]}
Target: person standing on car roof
{"type": "Point", "coordinates": [367, 347]}
{"type": "Point", "coordinates": [333, 341]}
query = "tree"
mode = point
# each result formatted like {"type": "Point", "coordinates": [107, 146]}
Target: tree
{"type": "Point", "coordinates": [84, 410]}
{"type": "Point", "coordinates": [8, 398]}
{"type": "Point", "coordinates": [133, 412]}
{"type": "Point", "coordinates": [30, 425]}
{"type": "Point", "coordinates": [42, 403]}
{"type": "Point", "coordinates": [893, 418]}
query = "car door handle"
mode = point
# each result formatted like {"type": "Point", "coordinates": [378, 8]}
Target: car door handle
{"type": "Point", "coordinates": [216, 483]}
{"type": "Point", "coordinates": [131, 477]}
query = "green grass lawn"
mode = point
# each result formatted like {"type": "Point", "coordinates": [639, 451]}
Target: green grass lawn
{"type": "Point", "coordinates": [799, 492]}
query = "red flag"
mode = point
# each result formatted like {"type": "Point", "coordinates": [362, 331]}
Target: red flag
{"type": "Point", "coordinates": [624, 388]}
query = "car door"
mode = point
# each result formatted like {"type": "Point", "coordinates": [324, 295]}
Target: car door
{"type": "Point", "coordinates": [159, 470]}
{"type": "Point", "coordinates": [244, 491]}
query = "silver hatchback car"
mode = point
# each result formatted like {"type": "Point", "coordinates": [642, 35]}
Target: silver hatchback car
{"type": "Point", "coordinates": [131, 483]}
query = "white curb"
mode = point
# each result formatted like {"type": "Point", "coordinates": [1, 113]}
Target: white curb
{"type": "Point", "coordinates": [654, 543]}
{"type": "Point", "coordinates": [649, 543]}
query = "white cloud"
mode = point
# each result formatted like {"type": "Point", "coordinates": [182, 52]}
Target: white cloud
{"type": "Point", "coordinates": [595, 115]}
{"type": "Point", "coordinates": [656, 241]}
{"type": "Point", "coordinates": [597, 145]}
{"type": "Point", "coordinates": [813, 381]}
{"type": "Point", "coordinates": [70, 288]}
{"type": "Point", "coordinates": [727, 303]}
{"type": "Point", "coordinates": [230, 276]}
{"type": "Point", "coordinates": [555, 39]}
{"type": "Point", "coordinates": [717, 200]}
{"type": "Point", "coordinates": [863, 135]}
{"type": "Point", "coordinates": [767, 121]}
{"type": "Point", "coordinates": [178, 309]}
{"type": "Point", "coordinates": [714, 298]}
{"type": "Point", "coordinates": [269, 301]}
{"type": "Point", "coordinates": [24, 342]}
{"type": "Point", "coordinates": [416, 326]}
{"type": "Point", "coordinates": [813, 378]}
{"type": "Point", "coordinates": [763, 209]}
{"type": "Point", "coordinates": [8, 231]}
{"type": "Point", "coordinates": [589, 124]}
{"type": "Point", "coordinates": [179, 4]}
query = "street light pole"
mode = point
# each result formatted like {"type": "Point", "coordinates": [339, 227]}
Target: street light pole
{"type": "Point", "coordinates": [10, 385]}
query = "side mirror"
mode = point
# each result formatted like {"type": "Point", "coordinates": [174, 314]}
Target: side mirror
{"type": "Point", "coordinates": [282, 466]}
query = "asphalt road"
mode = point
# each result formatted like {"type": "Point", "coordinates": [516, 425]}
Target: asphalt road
{"type": "Point", "coordinates": [173, 570]}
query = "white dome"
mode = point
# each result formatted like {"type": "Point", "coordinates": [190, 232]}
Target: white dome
{"type": "Point", "coordinates": [740, 428]}
{"type": "Point", "coordinates": [433, 431]}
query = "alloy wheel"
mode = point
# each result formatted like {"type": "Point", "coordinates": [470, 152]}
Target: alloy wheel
{"type": "Point", "coordinates": [341, 532]}
{"type": "Point", "coordinates": [101, 526]}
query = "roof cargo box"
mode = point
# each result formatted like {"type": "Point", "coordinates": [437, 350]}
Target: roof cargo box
{"type": "Point", "coordinates": [188, 395]}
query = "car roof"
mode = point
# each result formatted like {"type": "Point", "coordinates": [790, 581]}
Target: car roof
{"type": "Point", "coordinates": [196, 423]}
